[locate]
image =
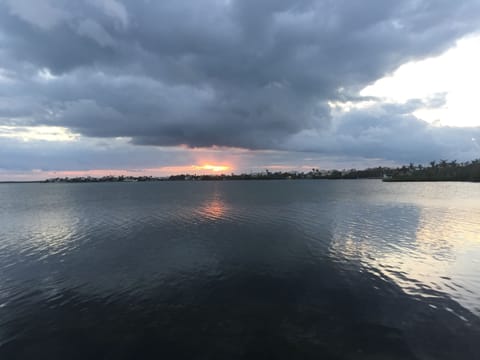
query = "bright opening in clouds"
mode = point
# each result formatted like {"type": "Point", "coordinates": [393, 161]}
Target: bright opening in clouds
{"type": "Point", "coordinates": [455, 75]}
{"type": "Point", "coordinates": [29, 133]}
{"type": "Point", "coordinates": [124, 85]}
{"type": "Point", "coordinates": [211, 167]}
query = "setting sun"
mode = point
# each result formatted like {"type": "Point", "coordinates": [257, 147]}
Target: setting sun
{"type": "Point", "coordinates": [210, 167]}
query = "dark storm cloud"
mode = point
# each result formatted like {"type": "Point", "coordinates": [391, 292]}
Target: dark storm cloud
{"type": "Point", "coordinates": [19, 155]}
{"type": "Point", "coordinates": [244, 73]}
{"type": "Point", "coordinates": [391, 131]}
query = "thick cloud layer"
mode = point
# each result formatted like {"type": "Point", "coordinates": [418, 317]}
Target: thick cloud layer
{"type": "Point", "coordinates": [391, 132]}
{"type": "Point", "coordinates": [239, 73]}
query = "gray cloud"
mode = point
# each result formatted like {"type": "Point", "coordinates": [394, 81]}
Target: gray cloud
{"type": "Point", "coordinates": [43, 15]}
{"type": "Point", "coordinates": [95, 31]}
{"type": "Point", "coordinates": [240, 73]}
{"type": "Point", "coordinates": [36, 159]}
{"type": "Point", "coordinates": [390, 130]}
{"type": "Point", "coordinates": [87, 154]}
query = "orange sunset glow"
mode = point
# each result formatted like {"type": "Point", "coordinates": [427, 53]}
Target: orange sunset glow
{"type": "Point", "coordinates": [206, 168]}
{"type": "Point", "coordinates": [211, 167]}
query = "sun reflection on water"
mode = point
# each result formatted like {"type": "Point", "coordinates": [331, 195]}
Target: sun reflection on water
{"type": "Point", "coordinates": [437, 257]}
{"type": "Point", "coordinates": [213, 209]}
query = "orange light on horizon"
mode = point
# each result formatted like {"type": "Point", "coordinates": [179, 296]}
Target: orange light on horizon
{"type": "Point", "coordinates": [211, 167]}
{"type": "Point", "coordinates": [163, 171]}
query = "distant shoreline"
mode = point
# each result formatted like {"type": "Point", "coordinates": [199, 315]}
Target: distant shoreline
{"type": "Point", "coordinates": [171, 180]}
{"type": "Point", "coordinates": [270, 179]}
{"type": "Point", "coordinates": [431, 180]}
{"type": "Point", "coordinates": [442, 171]}
{"type": "Point", "coordinates": [24, 182]}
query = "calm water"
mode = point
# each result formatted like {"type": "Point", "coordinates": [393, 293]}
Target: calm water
{"type": "Point", "coordinates": [230, 270]}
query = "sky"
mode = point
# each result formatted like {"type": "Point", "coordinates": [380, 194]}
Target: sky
{"type": "Point", "coordinates": [143, 87]}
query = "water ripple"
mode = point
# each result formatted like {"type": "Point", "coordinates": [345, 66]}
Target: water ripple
{"type": "Point", "coordinates": [318, 266]}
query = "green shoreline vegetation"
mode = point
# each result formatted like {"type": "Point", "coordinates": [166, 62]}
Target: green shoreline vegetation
{"type": "Point", "coordinates": [441, 171]}
{"type": "Point", "coordinates": [436, 171]}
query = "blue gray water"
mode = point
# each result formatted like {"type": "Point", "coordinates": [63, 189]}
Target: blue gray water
{"type": "Point", "coordinates": [240, 270]}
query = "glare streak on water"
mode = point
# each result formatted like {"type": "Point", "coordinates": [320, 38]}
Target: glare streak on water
{"type": "Point", "coordinates": [240, 270]}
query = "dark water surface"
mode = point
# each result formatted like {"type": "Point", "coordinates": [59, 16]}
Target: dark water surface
{"type": "Point", "coordinates": [240, 270]}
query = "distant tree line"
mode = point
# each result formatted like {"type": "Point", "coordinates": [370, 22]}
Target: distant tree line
{"type": "Point", "coordinates": [443, 170]}
{"type": "Point", "coordinates": [108, 178]}
{"type": "Point", "coordinates": [373, 173]}
{"type": "Point", "coordinates": [437, 171]}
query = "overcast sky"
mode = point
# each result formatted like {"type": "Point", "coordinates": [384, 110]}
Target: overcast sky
{"type": "Point", "coordinates": [158, 87]}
